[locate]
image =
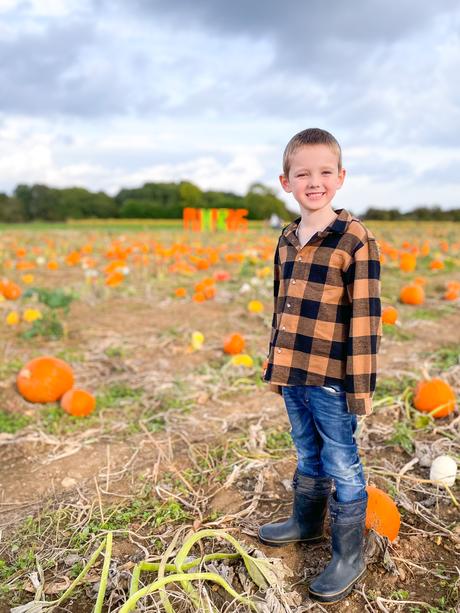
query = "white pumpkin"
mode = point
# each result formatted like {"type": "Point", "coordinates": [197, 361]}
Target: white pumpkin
{"type": "Point", "coordinates": [444, 469]}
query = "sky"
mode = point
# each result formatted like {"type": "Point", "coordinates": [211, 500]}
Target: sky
{"type": "Point", "coordinates": [107, 94]}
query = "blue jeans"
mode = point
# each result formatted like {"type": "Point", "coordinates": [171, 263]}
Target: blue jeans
{"type": "Point", "coordinates": [323, 431]}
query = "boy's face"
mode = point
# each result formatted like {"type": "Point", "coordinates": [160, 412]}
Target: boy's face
{"type": "Point", "coordinates": [314, 176]}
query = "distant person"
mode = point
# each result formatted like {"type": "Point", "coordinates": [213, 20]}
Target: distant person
{"type": "Point", "coordinates": [322, 359]}
{"type": "Point", "coordinates": [275, 221]}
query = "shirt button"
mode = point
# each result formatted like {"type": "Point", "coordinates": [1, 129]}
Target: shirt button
{"type": "Point", "coordinates": [288, 305]}
{"type": "Point", "coordinates": [283, 328]}
{"type": "Point", "coordinates": [293, 281]}
{"type": "Point", "coordinates": [299, 258]}
{"type": "Point", "coordinates": [279, 350]}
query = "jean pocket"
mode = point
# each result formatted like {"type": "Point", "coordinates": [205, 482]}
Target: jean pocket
{"type": "Point", "coordinates": [333, 389]}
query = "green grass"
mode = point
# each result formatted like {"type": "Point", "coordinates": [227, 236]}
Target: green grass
{"type": "Point", "coordinates": [396, 333]}
{"type": "Point", "coordinates": [115, 394]}
{"type": "Point", "coordinates": [11, 367]}
{"type": "Point", "coordinates": [12, 422]}
{"type": "Point", "coordinates": [71, 355]}
{"type": "Point", "coordinates": [279, 441]}
{"type": "Point", "coordinates": [392, 386]}
{"type": "Point", "coordinates": [445, 357]}
{"type": "Point", "coordinates": [435, 313]}
{"type": "Point", "coordinates": [54, 420]}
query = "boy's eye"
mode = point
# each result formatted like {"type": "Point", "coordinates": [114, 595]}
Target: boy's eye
{"type": "Point", "coordinates": [327, 172]}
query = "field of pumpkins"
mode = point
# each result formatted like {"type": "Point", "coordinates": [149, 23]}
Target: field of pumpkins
{"type": "Point", "coordinates": [140, 450]}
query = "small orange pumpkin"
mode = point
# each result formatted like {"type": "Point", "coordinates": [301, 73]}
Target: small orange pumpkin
{"type": "Point", "coordinates": [412, 294]}
{"type": "Point", "coordinates": [382, 514]}
{"type": "Point", "coordinates": [434, 396]}
{"type": "Point", "coordinates": [180, 292]}
{"type": "Point", "coordinates": [10, 290]}
{"type": "Point", "coordinates": [78, 402]}
{"type": "Point", "coordinates": [234, 343]}
{"type": "Point", "coordinates": [407, 262]}
{"type": "Point", "coordinates": [389, 315]}
{"type": "Point", "coordinates": [44, 379]}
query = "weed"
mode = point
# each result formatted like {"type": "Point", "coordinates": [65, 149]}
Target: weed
{"type": "Point", "coordinates": [53, 298]}
{"type": "Point", "coordinates": [48, 326]}
{"type": "Point", "coordinates": [400, 594]}
{"type": "Point", "coordinates": [115, 352]}
{"type": "Point", "coordinates": [403, 436]}
{"type": "Point", "coordinates": [277, 441]}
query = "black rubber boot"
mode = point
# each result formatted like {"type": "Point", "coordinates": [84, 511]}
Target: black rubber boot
{"type": "Point", "coordinates": [308, 513]}
{"type": "Point", "coordinates": [347, 564]}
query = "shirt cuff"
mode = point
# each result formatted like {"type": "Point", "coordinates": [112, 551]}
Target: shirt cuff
{"type": "Point", "coordinates": [359, 404]}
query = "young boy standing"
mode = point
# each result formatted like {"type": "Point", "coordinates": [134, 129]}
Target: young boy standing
{"type": "Point", "coordinates": [326, 332]}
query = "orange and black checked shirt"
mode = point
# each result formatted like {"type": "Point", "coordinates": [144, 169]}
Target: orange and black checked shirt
{"type": "Point", "coordinates": [327, 324]}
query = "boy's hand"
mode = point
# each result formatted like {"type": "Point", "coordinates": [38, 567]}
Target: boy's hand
{"type": "Point", "coordinates": [264, 367]}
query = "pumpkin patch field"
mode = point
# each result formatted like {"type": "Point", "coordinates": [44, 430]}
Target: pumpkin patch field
{"type": "Point", "coordinates": [140, 449]}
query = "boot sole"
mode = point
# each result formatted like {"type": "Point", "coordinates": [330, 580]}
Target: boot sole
{"type": "Point", "coordinates": [337, 596]}
{"type": "Point", "coordinates": [312, 541]}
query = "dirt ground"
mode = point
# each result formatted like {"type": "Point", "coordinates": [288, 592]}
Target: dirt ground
{"type": "Point", "coordinates": [141, 342]}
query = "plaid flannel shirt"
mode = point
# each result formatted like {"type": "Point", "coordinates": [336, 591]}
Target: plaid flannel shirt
{"type": "Point", "coordinates": [327, 325]}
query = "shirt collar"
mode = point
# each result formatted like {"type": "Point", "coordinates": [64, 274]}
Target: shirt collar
{"type": "Point", "coordinates": [339, 225]}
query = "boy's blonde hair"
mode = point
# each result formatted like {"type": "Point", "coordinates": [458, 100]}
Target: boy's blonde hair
{"type": "Point", "coordinates": [310, 136]}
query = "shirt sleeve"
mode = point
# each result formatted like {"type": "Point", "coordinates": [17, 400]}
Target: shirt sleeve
{"type": "Point", "coordinates": [276, 286]}
{"type": "Point", "coordinates": [363, 286]}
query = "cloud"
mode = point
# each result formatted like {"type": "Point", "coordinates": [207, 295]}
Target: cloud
{"type": "Point", "coordinates": [105, 92]}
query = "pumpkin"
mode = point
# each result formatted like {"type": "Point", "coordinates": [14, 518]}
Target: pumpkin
{"type": "Point", "coordinates": [389, 315]}
{"type": "Point", "coordinates": [10, 290]}
{"type": "Point", "coordinates": [382, 514]}
{"type": "Point", "coordinates": [78, 402]}
{"type": "Point", "coordinates": [434, 396]}
{"type": "Point", "coordinates": [436, 264]}
{"type": "Point", "coordinates": [444, 469]}
{"type": "Point", "coordinates": [234, 343]}
{"type": "Point", "coordinates": [450, 294]}
{"type": "Point", "coordinates": [44, 379]}
{"type": "Point", "coordinates": [412, 294]}
{"type": "Point", "coordinates": [180, 292]}
{"type": "Point", "coordinates": [407, 262]}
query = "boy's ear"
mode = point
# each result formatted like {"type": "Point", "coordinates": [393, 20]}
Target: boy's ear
{"type": "Point", "coordinates": [285, 184]}
{"type": "Point", "coordinates": [341, 178]}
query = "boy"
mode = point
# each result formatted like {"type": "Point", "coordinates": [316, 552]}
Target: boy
{"type": "Point", "coordinates": [326, 332]}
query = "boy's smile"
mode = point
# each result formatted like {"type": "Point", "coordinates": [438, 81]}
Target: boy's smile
{"type": "Point", "coordinates": [314, 176]}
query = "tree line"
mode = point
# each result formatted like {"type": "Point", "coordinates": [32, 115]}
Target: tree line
{"type": "Point", "coordinates": [152, 200]}
{"type": "Point", "coordinates": [166, 201]}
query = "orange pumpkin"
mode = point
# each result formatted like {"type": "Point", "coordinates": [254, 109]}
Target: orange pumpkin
{"type": "Point", "coordinates": [180, 292]}
{"type": "Point", "coordinates": [450, 294]}
{"type": "Point", "coordinates": [412, 294]}
{"type": "Point", "coordinates": [234, 343]}
{"type": "Point", "coordinates": [407, 262]}
{"type": "Point", "coordinates": [389, 315]}
{"type": "Point", "coordinates": [10, 290]}
{"type": "Point", "coordinates": [44, 379]}
{"type": "Point", "coordinates": [436, 264]}
{"type": "Point", "coordinates": [434, 396]}
{"type": "Point", "coordinates": [78, 402]}
{"type": "Point", "coordinates": [382, 514]}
